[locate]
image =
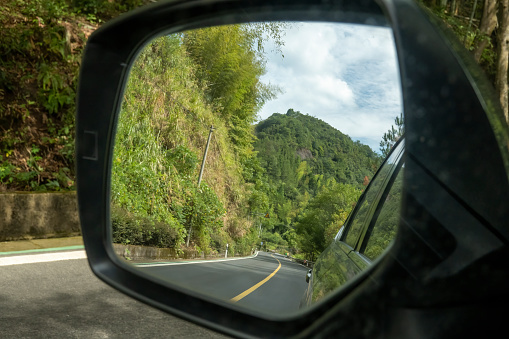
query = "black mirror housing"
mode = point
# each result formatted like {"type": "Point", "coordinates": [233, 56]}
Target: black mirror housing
{"type": "Point", "coordinates": [450, 187]}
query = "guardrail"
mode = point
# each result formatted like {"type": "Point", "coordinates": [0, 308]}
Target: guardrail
{"type": "Point", "coordinates": [304, 262]}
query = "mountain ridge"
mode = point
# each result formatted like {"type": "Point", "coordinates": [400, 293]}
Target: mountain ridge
{"type": "Point", "coordinates": [326, 150]}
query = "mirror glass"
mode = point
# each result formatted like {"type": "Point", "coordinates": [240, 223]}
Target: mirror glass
{"type": "Point", "coordinates": [241, 150]}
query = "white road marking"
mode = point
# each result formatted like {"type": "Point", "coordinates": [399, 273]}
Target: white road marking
{"type": "Point", "coordinates": [43, 257]}
{"type": "Point", "coordinates": [193, 262]}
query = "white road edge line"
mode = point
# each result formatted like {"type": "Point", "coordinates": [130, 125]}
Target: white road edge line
{"type": "Point", "coordinates": [44, 257]}
{"type": "Point", "coordinates": [193, 262]}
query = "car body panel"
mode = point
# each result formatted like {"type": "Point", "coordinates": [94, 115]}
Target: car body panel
{"type": "Point", "coordinates": [341, 262]}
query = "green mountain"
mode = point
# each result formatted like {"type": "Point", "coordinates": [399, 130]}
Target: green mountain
{"type": "Point", "coordinates": [304, 152]}
{"type": "Point", "coordinates": [305, 162]}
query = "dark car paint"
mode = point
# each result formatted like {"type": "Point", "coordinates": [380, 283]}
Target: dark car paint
{"type": "Point", "coordinates": [333, 269]}
{"type": "Point", "coordinates": [340, 262]}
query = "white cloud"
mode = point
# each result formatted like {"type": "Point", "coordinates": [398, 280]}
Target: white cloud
{"type": "Point", "coordinates": [343, 74]}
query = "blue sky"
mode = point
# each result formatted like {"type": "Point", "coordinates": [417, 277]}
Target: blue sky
{"type": "Point", "coordinates": [343, 74]}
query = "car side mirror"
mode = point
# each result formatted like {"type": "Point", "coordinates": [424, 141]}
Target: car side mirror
{"type": "Point", "coordinates": [447, 116]}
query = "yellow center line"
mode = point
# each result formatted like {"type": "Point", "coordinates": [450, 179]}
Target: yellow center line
{"type": "Point", "coordinates": [248, 291]}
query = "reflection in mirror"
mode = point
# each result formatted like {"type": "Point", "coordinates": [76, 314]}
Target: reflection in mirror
{"type": "Point", "coordinates": [369, 231]}
{"type": "Point", "coordinates": [242, 149]}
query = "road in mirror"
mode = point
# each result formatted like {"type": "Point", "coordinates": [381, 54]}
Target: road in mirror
{"type": "Point", "coordinates": [241, 150]}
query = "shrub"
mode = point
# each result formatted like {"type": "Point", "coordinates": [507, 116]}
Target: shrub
{"type": "Point", "coordinates": [134, 230]}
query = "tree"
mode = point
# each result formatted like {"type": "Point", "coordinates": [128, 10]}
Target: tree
{"type": "Point", "coordinates": [488, 24]}
{"type": "Point", "coordinates": [485, 33]}
{"type": "Point", "coordinates": [324, 215]}
{"type": "Point", "coordinates": [503, 55]}
{"type": "Point", "coordinates": [231, 62]}
{"type": "Point", "coordinates": [392, 136]}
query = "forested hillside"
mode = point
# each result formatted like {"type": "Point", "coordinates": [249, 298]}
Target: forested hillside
{"type": "Point", "coordinates": [163, 126]}
{"type": "Point", "coordinates": [41, 42]}
{"type": "Point", "coordinates": [178, 88]}
{"type": "Point", "coordinates": [310, 167]}
{"type": "Point", "coordinates": [303, 151]}
{"type": "Point", "coordinates": [288, 181]}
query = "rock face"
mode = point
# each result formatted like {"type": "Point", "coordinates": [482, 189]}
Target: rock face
{"type": "Point", "coordinates": [304, 154]}
{"type": "Point", "coordinates": [38, 215]}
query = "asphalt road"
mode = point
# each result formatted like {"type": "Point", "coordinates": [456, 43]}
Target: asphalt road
{"type": "Point", "coordinates": [63, 299]}
{"type": "Point", "coordinates": [268, 283]}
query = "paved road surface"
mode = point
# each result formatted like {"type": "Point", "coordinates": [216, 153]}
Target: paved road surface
{"type": "Point", "coordinates": [63, 299]}
{"type": "Point", "coordinates": [267, 282]}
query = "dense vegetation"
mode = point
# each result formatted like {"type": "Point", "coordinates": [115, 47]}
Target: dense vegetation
{"type": "Point", "coordinates": [483, 28]}
{"type": "Point", "coordinates": [288, 181]}
{"type": "Point", "coordinates": [301, 150]}
{"type": "Point", "coordinates": [168, 108]}
{"type": "Point", "coordinates": [174, 94]}
{"type": "Point", "coordinates": [41, 42]}
{"type": "Point", "coordinates": [313, 175]}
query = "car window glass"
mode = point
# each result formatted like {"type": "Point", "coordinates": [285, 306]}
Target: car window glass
{"type": "Point", "coordinates": [386, 225]}
{"type": "Point", "coordinates": [370, 197]}
{"type": "Point", "coordinates": [333, 269]}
